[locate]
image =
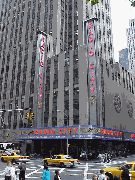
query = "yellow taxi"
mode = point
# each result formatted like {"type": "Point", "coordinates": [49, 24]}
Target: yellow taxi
{"type": "Point", "coordinates": [15, 158]}
{"type": "Point", "coordinates": [61, 160]}
{"type": "Point", "coordinates": [118, 170]}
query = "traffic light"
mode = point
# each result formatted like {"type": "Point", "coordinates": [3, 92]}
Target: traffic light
{"type": "Point", "coordinates": [27, 116]}
{"type": "Point", "coordinates": [69, 132]}
{"type": "Point", "coordinates": [31, 116]}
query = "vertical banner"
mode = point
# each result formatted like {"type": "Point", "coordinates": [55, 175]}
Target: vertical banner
{"type": "Point", "coordinates": [40, 78]}
{"type": "Point", "coordinates": [90, 41]}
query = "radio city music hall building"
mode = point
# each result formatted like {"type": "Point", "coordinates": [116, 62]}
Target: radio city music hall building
{"type": "Point", "coordinates": [57, 64]}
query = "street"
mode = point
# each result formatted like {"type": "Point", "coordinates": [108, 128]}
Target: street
{"type": "Point", "coordinates": [35, 168]}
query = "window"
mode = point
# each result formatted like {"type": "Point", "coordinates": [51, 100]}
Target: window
{"type": "Point", "coordinates": [126, 166]}
{"type": "Point", "coordinates": [11, 94]}
{"type": "Point", "coordinates": [58, 157]}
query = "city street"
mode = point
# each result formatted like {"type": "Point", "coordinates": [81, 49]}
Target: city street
{"type": "Point", "coordinates": [35, 168]}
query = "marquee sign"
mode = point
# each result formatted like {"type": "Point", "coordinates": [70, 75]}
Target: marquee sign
{"type": "Point", "coordinates": [41, 40]}
{"type": "Point", "coordinates": [81, 131]}
{"type": "Point", "coordinates": [40, 75]}
{"type": "Point", "coordinates": [90, 40]}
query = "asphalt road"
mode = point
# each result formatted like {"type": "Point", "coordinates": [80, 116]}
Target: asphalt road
{"type": "Point", "coordinates": [34, 169]}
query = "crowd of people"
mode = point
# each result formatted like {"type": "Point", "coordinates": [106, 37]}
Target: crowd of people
{"type": "Point", "coordinates": [11, 173]}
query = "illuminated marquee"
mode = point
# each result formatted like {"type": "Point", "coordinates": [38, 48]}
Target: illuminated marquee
{"type": "Point", "coordinates": [91, 53]}
{"type": "Point", "coordinates": [41, 66]}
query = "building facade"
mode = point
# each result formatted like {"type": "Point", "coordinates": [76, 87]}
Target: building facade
{"type": "Point", "coordinates": [51, 57]}
{"type": "Point", "coordinates": [62, 21]}
{"type": "Point", "coordinates": [131, 44]}
{"type": "Point", "coordinates": [123, 58]}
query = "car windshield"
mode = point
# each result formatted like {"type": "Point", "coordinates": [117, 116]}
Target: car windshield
{"type": "Point", "coordinates": [126, 166]}
{"type": "Point", "coordinates": [67, 157]}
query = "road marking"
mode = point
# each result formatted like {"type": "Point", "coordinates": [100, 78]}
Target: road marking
{"type": "Point", "coordinates": [61, 170]}
{"type": "Point", "coordinates": [74, 174]}
{"type": "Point", "coordinates": [85, 172]}
{"type": "Point", "coordinates": [73, 170]}
{"type": "Point", "coordinates": [33, 172]}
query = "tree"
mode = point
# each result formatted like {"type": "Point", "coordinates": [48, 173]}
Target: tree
{"type": "Point", "coordinates": [93, 2]}
{"type": "Point", "coordinates": [132, 3]}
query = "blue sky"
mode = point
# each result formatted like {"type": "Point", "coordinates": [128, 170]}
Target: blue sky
{"type": "Point", "coordinates": [121, 12]}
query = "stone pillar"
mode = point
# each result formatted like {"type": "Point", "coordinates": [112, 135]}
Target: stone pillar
{"type": "Point", "coordinates": [24, 145]}
{"type": "Point", "coordinates": [32, 147]}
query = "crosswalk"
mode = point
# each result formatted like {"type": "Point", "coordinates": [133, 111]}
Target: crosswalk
{"type": "Point", "coordinates": [34, 170]}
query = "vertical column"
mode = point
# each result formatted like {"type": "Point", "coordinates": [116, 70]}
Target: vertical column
{"type": "Point", "coordinates": [51, 92]}
{"type": "Point", "coordinates": [58, 26]}
{"type": "Point", "coordinates": [71, 88]}
{"type": "Point", "coordinates": [83, 93]}
{"type": "Point", "coordinates": [39, 81]}
{"type": "Point", "coordinates": [24, 145]}
{"type": "Point", "coordinates": [60, 102]}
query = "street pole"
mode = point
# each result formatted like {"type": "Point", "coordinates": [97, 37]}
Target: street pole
{"type": "Point", "coordinates": [67, 140]}
{"type": "Point", "coordinates": [67, 129]}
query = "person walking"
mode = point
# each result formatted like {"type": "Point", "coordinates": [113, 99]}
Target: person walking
{"type": "Point", "coordinates": [125, 174]}
{"type": "Point", "coordinates": [57, 176]}
{"type": "Point", "coordinates": [102, 175]}
{"type": "Point", "coordinates": [8, 171]}
{"type": "Point", "coordinates": [100, 157]}
{"type": "Point", "coordinates": [46, 173]}
{"type": "Point", "coordinates": [22, 167]}
{"type": "Point", "coordinates": [13, 172]}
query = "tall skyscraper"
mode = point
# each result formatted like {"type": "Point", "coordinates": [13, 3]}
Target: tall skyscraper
{"type": "Point", "coordinates": [131, 44]}
{"type": "Point", "coordinates": [63, 23]}
{"type": "Point", "coordinates": [123, 58]}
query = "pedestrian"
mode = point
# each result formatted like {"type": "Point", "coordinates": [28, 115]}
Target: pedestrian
{"type": "Point", "coordinates": [85, 156]}
{"type": "Point", "coordinates": [109, 176]}
{"type": "Point", "coordinates": [125, 174]}
{"type": "Point", "coordinates": [116, 177]}
{"type": "Point", "coordinates": [94, 177]}
{"type": "Point", "coordinates": [8, 171]}
{"type": "Point", "coordinates": [22, 167]}
{"type": "Point", "coordinates": [102, 175]}
{"type": "Point", "coordinates": [57, 176]}
{"type": "Point", "coordinates": [13, 172]}
{"type": "Point", "coordinates": [99, 157]}
{"type": "Point", "coordinates": [46, 173]}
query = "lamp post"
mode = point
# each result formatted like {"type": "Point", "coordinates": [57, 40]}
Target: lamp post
{"type": "Point", "coordinates": [67, 129]}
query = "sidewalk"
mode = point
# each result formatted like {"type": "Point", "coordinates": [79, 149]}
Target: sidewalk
{"type": "Point", "coordinates": [97, 161]}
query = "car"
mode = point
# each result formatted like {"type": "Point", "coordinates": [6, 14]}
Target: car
{"type": "Point", "coordinates": [61, 160]}
{"type": "Point", "coordinates": [118, 170]}
{"type": "Point", "coordinates": [15, 158]}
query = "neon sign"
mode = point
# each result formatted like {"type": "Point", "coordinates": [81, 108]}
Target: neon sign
{"type": "Point", "coordinates": [91, 53]}
{"type": "Point", "coordinates": [41, 66]}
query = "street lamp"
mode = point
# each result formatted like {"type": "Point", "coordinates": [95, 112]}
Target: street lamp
{"type": "Point", "coordinates": [67, 129]}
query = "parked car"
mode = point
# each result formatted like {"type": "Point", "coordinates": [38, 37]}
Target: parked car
{"type": "Point", "coordinates": [15, 158]}
{"type": "Point", "coordinates": [118, 170]}
{"type": "Point", "coordinates": [61, 160]}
